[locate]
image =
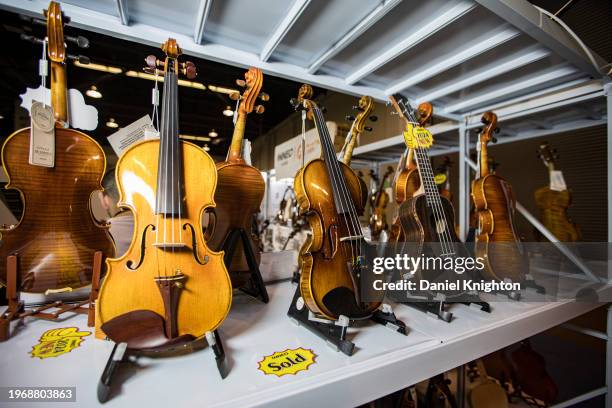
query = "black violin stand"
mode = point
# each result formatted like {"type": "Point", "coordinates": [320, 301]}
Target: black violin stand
{"type": "Point", "coordinates": [122, 354]}
{"type": "Point", "coordinates": [17, 309]}
{"type": "Point", "coordinates": [438, 305]}
{"type": "Point", "coordinates": [334, 331]}
{"type": "Point", "coordinates": [255, 286]}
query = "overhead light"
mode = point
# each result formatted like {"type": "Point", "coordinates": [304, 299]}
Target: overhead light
{"type": "Point", "coordinates": [206, 148]}
{"type": "Point", "coordinates": [1, 117]}
{"type": "Point", "coordinates": [221, 89]}
{"type": "Point", "coordinates": [112, 124]}
{"type": "Point", "coordinates": [151, 77]}
{"type": "Point", "coordinates": [198, 138]}
{"type": "Point", "coordinates": [99, 67]}
{"type": "Point", "coordinates": [93, 92]}
{"type": "Point", "coordinates": [228, 111]}
{"type": "Point", "coordinates": [212, 133]}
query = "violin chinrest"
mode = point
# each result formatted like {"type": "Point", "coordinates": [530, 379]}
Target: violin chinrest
{"type": "Point", "coordinates": [142, 330]}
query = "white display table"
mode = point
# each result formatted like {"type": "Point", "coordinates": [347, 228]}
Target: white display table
{"type": "Point", "coordinates": [384, 361]}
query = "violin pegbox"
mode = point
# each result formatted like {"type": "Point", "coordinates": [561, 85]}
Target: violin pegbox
{"type": "Point", "coordinates": [172, 50]}
{"type": "Point", "coordinates": [547, 155]}
{"type": "Point", "coordinates": [425, 111]}
{"type": "Point", "coordinates": [252, 84]}
{"type": "Point", "coordinates": [489, 120]}
{"type": "Point", "coordinates": [365, 109]}
{"type": "Point", "coordinates": [304, 94]}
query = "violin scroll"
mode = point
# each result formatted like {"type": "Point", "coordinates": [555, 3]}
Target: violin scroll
{"type": "Point", "coordinates": [172, 50]}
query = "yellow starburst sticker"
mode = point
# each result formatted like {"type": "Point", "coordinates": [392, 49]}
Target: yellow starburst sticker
{"type": "Point", "coordinates": [417, 136]}
{"type": "Point", "coordinates": [440, 178]}
{"type": "Point", "coordinates": [289, 361]}
{"type": "Point", "coordinates": [56, 342]}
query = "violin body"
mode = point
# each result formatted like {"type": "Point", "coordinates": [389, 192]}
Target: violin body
{"type": "Point", "coordinates": [494, 205]}
{"type": "Point", "coordinates": [130, 284]}
{"type": "Point", "coordinates": [325, 282]}
{"type": "Point", "coordinates": [240, 190]}
{"type": "Point", "coordinates": [553, 207]}
{"type": "Point", "coordinates": [57, 235]}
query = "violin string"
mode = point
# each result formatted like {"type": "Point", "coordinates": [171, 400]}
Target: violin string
{"type": "Point", "coordinates": [171, 142]}
{"type": "Point", "coordinates": [339, 185]}
{"type": "Point", "coordinates": [331, 158]}
{"type": "Point", "coordinates": [168, 91]}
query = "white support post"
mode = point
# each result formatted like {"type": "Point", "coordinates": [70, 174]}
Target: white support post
{"type": "Point", "coordinates": [122, 10]}
{"type": "Point", "coordinates": [608, 93]}
{"type": "Point", "coordinates": [464, 181]}
{"type": "Point", "coordinates": [200, 23]}
{"type": "Point", "coordinates": [609, 353]}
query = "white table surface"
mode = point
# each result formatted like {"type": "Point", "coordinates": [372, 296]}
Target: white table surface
{"type": "Point", "coordinates": [384, 361]}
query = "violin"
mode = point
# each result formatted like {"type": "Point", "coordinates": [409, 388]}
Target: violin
{"type": "Point", "coordinates": [442, 178]}
{"type": "Point", "coordinates": [553, 204]}
{"type": "Point", "coordinates": [169, 288]}
{"type": "Point", "coordinates": [57, 236]}
{"type": "Point", "coordinates": [240, 186]}
{"type": "Point", "coordinates": [334, 264]}
{"type": "Point", "coordinates": [378, 203]}
{"type": "Point", "coordinates": [365, 107]}
{"type": "Point", "coordinates": [407, 179]}
{"type": "Point", "coordinates": [494, 205]}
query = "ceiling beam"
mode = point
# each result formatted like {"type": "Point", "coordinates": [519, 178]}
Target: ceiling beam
{"type": "Point", "coordinates": [124, 14]}
{"type": "Point", "coordinates": [294, 12]}
{"type": "Point", "coordinates": [200, 23]}
{"type": "Point", "coordinates": [524, 16]}
{"type": "Point", "coordinates": [379, 12]}
{"type": "Point", "coordinates": [494, 39]}
{"type": "Point", "coordinates": [493, 70]}
{"type": "Point", "coordinates": [518, 86]}
{"type": "Point", "coordinates": [426, 30]}
{"type": "Point", "coordinates": [87, 19]}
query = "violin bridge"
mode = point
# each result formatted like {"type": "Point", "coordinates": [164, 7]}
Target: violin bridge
{"type": "Point", "coordinates": [169, 245]}
{"type": "Point", "coordinates": [351, 238]}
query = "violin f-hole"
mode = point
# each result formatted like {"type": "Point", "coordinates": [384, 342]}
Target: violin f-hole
{"type": "Point", "coordinates": [143, 244]}
{"type": "Point", "coordinates": [194, 248]}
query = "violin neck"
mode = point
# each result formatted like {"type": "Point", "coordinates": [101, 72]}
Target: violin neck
{"type": "Point", "coordinates": [169, 196]}
{"type": "Point", "coordinates": [235, 151]}
{"type": "Point", "coordinates": [348, 153]}
{"type": "Point", "coordinates": [59, 94]}
{"type": "Point", "coordinates": [484, 160]}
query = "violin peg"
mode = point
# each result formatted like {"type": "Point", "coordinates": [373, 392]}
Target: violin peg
{"type": "Point", "coordinates": [151, 61]}
{"type": "Point", "coordinates": [264, 96]}
{"type": "Point", "coordinates": [190, 71]}
{"type": "Point", "coordinates": [357, 108]}
{"type": "Point", "coordinates": [494, 139]}
{"type": "Point", "coordinates": [350, 118]}
{"type": "Point", "coordinates": [260, 109]}
{"type": "Point", "coordinates": [373, 118]}
{"type": "Point", "coordinates": [234, 96]}
{"type": "Point", "coordinates": [241, 82]}
{"type": "Point", "coordinates": [497, 130]}
{"type": "Point", "coordinates": [368, 129]}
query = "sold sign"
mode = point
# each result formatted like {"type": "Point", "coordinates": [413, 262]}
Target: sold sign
{"type": "Point", "coordinates": [290, 361]}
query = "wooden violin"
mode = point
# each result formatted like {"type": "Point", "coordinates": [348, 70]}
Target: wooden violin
{"type": "Point", "coordinates": [553, 204]}
{"type": "Point", "coordinates": [407, 179]}
{"type": "Point", "coordinates": [240, 186]}
{"type": "Point", "coordinates": [378, 203]}
{"type": "Point", "coordinates": [169, 287]}
{"type": "Point", "coordinates": [57, 236]}
{"type": "Point", "coordinates": [494, 204]}
{"type": "Point", "coordinates": [331, 198]}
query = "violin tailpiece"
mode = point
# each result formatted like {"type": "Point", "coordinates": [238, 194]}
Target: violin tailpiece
{"type": "Point", "coordinates": [170, 288]}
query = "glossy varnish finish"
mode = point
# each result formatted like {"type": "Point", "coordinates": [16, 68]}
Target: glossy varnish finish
{"type": "Point", "coordinates": [323, 261]}
{"type": "Point", "coordinates": [494, 204]}
{"type": "Point", "coordinates": [553, 207]}
{"type": "Point", "coordinates": [57, 236]}
{"type": "Point", "coordinates": [206, 298]}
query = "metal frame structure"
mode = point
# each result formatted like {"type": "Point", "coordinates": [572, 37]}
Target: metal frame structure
{"type": "Point", "coordinates": [464, 56]}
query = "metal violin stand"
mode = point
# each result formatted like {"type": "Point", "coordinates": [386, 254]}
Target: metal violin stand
{"type": "Point", "coordinates": [334, 331]}
{"type": "Point", "coordinates": [255, 286]}
{"type": "Point", "coordinates": [51, 311]}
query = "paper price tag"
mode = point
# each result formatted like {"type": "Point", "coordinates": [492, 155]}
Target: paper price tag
{"type": "Point", "coordinates": [557, 182]}
{"type": "Point", "coordinates": [127, 136]}
{"type": "Point", "coordinates": [42, 135]}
